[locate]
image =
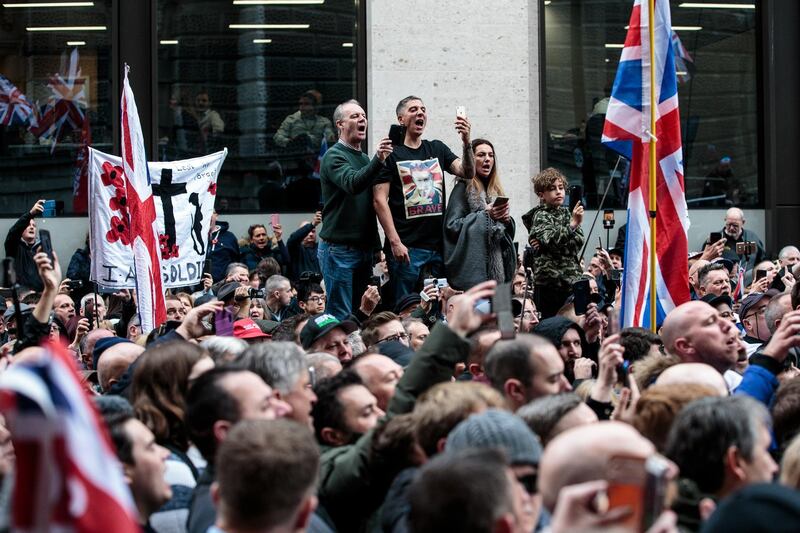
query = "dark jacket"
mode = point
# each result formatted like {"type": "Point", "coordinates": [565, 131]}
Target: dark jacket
{"type": "Point", "coordinates": [302, 258]}
{"type": "Point", "coordinates": [251, 256]}
{"type": "Point", "coordinates": [223, 250]}
{"type": "Point", "coordinates": [353, 483]}
{"type": "Point", "coordinates": [476, 248]}
{"type": "Point", "coordinates": [22, 252]}
{"type": "Point", "coordinates": [80, 269]}
{"type": "Point", "coordinates": [760, 379]}
{"type": "Point", "coordinates": [746, 236]}
{"type": "Point", "coordinates": [554, 328]}
{"type": "Point", "coordinates": [202, 514]}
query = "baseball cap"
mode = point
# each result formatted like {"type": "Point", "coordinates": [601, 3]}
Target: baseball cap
{"type": "Point", "coordinates": [714, 300]}
{"type": "Point", "coordinates": [23, 308]}
{"type": "Point", "coordinates": [247, 329]}
{"type": "Point", "coordinates": [319, 326]}
{"type": "Point", "coordinates": [407, 301]}
{"type": "Point", "coordinates": [752, 299]}
{"type": "Point", "coordinates": [226, 291]}
{"type": "Point", "coordinates": [102, 345]}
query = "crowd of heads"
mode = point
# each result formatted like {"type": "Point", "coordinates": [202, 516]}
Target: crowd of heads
{"type": "Point", "coordinates": [254, 407]}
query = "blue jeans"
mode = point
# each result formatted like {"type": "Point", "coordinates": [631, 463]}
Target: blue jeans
{"type": "Point", "coordinates": [346, 271]}
{"type": "Point", "coordinates": [404, 276]}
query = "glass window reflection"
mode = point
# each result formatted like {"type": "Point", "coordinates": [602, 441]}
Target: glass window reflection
{"type": "Point", "coordinates": [261, 80]}
{"type": "Point", "coordinates": [55, 100]}
{"type": "Point", "coordinates": [716, 65]}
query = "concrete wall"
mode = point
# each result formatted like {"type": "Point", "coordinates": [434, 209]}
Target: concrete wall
{"type": "Point", "coordinates": [482, 56]}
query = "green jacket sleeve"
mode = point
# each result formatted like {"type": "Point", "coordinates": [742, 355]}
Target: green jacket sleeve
{"type": "Point", "coordinates": [552, 233]}
{"type": "Point", "coordinates": [345, 488]}
{"type": "Point", "coordinates": [341, 173]}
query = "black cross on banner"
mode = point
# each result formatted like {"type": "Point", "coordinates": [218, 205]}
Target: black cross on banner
{"type": "Point", "coordinates": [166, 190]}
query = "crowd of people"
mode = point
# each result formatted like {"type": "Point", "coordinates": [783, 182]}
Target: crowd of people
{"type": "Point", "coordinates": [334, 384]}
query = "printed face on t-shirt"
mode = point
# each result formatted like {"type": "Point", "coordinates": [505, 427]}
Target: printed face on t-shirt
{"type": "Point", "coordinates": [422, 187]}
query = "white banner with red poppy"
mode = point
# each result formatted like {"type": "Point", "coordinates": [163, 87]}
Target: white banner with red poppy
{"type": "Point", "coordinates": [184, 193]}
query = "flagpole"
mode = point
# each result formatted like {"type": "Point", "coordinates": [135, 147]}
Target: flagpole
{"type": "Point", "coordinates": [652, 153]}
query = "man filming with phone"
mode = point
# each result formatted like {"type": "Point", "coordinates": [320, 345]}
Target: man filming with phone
{"type": "Point", "coordinates": [410, 196]}
{"type": "Point", "coordinates": [21, 245]}
{"type": "Point", "coordinates": [734, 233]}
{"type": "Point", "coordinates": [349, 234]}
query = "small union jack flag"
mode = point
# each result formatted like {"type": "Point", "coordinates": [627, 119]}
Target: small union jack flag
{"type": "Point", "coordinates": [14, 106]}
{"type": "Point", "coordinates": [66, 105]}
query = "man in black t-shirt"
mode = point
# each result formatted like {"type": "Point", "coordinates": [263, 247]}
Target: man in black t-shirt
{"type": "Point", "coordinates": [409, 196]}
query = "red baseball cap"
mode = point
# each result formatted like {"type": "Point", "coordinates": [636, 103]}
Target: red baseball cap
{"type": "Point", "coordinates": [247, 329]}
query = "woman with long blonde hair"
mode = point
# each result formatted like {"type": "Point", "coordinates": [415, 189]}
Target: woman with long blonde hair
{"type": "Point", "coordinates": [479, 231]}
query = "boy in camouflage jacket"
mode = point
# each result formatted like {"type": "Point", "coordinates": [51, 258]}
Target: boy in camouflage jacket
{"type": "Point", "coordinates": [557, 238]}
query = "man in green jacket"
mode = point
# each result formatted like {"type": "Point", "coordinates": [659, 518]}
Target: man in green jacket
{"type": "Point", "coordinates": [353, 481]}
{"type": "Point", "coordinates": [349, 234]}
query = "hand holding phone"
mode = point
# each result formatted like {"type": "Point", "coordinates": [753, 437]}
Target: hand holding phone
{"type": "Point", "coordinates": [45, 243]}
{"type": "Point", "coordinates": [500, 201]}
{"type": "Point", "coordinates": [581, 290]}
{"type": "Point", "coordinates": [275, 220]}
{"type": "Point", "coordinates": [397, 134]}
{"type": "Point", "coordinates": [461, 111]}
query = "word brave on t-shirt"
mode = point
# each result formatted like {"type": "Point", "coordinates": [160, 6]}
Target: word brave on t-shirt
{"type": "Point", "coordinates": [423, 210]}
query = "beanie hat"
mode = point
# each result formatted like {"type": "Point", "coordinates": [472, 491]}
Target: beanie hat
{"type": "Point", "coordinates": [495, 428]}
{"type": "Point", "coordinates": [765, 507]}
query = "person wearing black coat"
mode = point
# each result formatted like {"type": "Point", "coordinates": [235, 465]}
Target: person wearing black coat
{"type": "Point", "coordinates": [20, 244]}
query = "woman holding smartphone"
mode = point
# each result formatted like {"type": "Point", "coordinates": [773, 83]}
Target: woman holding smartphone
{"type": "Point", "coordinates": [478, 230]}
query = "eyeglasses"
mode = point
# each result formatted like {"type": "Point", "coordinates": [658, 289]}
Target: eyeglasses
{"type": "Point", "coordinates": [757, 312]}
{"type": "Point", "coordinates": [530, 314]}
{"type": "Point", "coordinates": [316, 299]}
{"type": "Point", "coordinates": [395, 337]}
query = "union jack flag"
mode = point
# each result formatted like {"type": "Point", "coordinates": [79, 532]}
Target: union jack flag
{"type": "Point", "coordinates": [14, 106]}
{"type": "Point", "coordinates": [68, 477]}
{"type": "Point", "coordinates": [66, 105]}
{"type": "Point", "coordinates": [626, 131]}
{"type": "Point", "coordinates": [681, 55]}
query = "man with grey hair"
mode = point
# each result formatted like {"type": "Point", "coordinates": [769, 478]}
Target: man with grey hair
{"type": "Point", "coordinates": [789, 256]}
{"type": "Point", "coordinates": [733, 232]}
{"type": "Point", "coordinates": [722, 444]}
{"type": "Point", "coordinates": [350, 233]}
{"type": "Point", "coordinates": [279, 298]}
{"type": "Point", "coordinates": [324, 365]}
{"type": "Point", "coordinates": [282, 366]}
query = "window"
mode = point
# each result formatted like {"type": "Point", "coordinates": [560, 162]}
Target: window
{"type": "Point", "coordinates": [55, 96]}
{"type": "Point", "coordinates": [262, 79]}
{"type": "Point", "coordinates": [716, 90]}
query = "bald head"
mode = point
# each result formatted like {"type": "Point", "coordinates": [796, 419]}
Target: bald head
{"type": "Point", "coordinates": [676, 323]}
{"type": "Point", "coordinates": [115, 362]}
{"type": "Point", "coordinates": [582, 453]}
{"type": "Point", "coordinates": [734, 213]}
{"type": "Point", "coordinates": [380, 374]}
{"type": "Point", "coordinates": [696, 373]}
